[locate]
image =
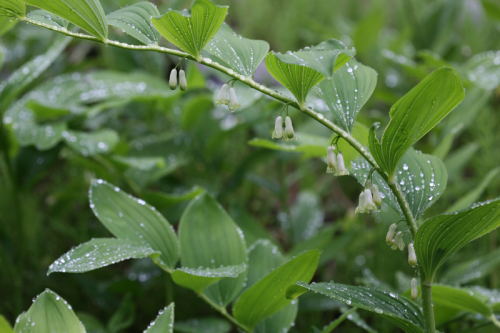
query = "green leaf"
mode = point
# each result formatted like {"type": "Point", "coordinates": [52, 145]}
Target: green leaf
{"type": "Point", "coordinates": [398, 309]}
{"type": "Point", "coordinates": [22, 77]}
{"type": "Point", "coordinates": [308, 144]}
{"type": "Point", "coordinates": [89, 144]}
{"type": "Point", "coordinates": [483, 70]}
{"type": "Point", "coordinates": [456, 161]}
{"type": "Point", "coordinates": [474, 194]}
{"type": "Point", "coordinates": [87, 14]}
{"type": "Point", "coordinates": [321, 240]}
{"type": "Point", "coordinates": [243, 55]}
{"type": "Point", "coordinates": [192, 29]}
{"type": "Point", "coordinates": [471, 270]}
{"type": "Point", "coordinates": [203, 325]}
{"type": "Point", "coordinates": [330, 327]}
{"type": "Point", "coordinates": [129, 218]}
{"type": "Point", "coordinates": [421, 177]}
{"type": "Point", "coordinates": [135, 20]}
{"type": "Point", "coordinates": [414, 115]}
{"type": "Point", "coordinates": [6, 24]}
{"type": "Point", "coordinates": [46, 17]}
{"type": "Point", "coordinates": [164, 200]}
{"type": "Point", "coordinates": [460, 299]}
{"type": "Point", "coordinates": [209, 238]}
{"type": "Point", "coordinates": [49, 313]}
{"type": "Point", "coordinates": [100, 252]}
{"type": "Point", "coordinates": [281, 321]}
{"type": "Point", "coordinates": [347, 91]}
{"type": "Point", "coordinates": [300, 71]}
{"type": "Point", "coordinates": [441, 236]}
{"type": "Point", "coordinates": [43, 137]}
{"type": "Point", "coordinates": [123, 317]}
{"type": "Point", "coordinates": [198, 279]}
{"type": "Point", "coordinates": [12, 8]}
{"type": "Point", "coordinates": [489, 296]}
{"type": "Point", "coordinates": [268, 295]}
{"type": "Point", "coordinates": [164, 322]}
{"type": "Point", "coordinates": [5, 326]}
{"type": "Point", "coordinates": [306, 217]}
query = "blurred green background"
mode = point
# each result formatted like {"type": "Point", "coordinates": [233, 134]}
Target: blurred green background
{"type": "Point", "coordinates": [284, 196]}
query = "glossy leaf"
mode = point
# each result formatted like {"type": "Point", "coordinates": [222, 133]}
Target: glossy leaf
{"type": "Point", "coordinates": [49, 313]}
{"type": "Point", "coordinates": [135, 20]}
{"type": "Point", "coordinates": [23, 76]}
{"type": "Point", "coordinates": [398, 309]}
{"type": "Point", "coordinates": [422, 179]}
{"type": "Point", "coordinates": [6, 23]}
{"type": "Point", "coordinates": [87, 14]}
{"type": "Point", "coordinates": [281, 321]}
{"type": "Point", "coordinates": [5, 326]}
{"type": "Point", "coordinates": [198, 279]}
{"type": "Point", "coordinates": [483, 70]}
{"type": "Point", "coordinates": [164, 322]}
{"type": "Point", "coordinates": [46, 17]}
{"type": "Point", "coordinates": [268, 295]}
{"type": "Point", "coordinates": [100, 252]}
{"type": "Point", "coordinates": [43, 137]}
{"type": "Point", "coordinates": [164, 200]}
{"type": "Point", "coordinates": [441, 236]}
{"type": "Point", "coordinates": [308, 144]}
{"type": "Point", "coordinates": [243, 55]}
{"type": "Point", "coordinates": [459, 299]}
{"type": "Point", "coordinates": [203, 325]}
{"type": "Point", "coordinates": [12, 8]}
{"type": "Point", "coordinates": [192, 29]}
{"type": "Point", "coordinates": [129, 218]}
{"type": "Point", "coordinates": [347, 91]}
{"type": "Point", "coordinates": [89, 144]}
{"type": "Point", "coordinates": [414, 115]}
{"type": "Point", "coordinates": [209, 238]}
{"type": "Point", "coordinates": [477, 268]}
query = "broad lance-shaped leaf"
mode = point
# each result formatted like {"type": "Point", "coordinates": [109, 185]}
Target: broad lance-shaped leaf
{"type": "Point", "coordinates": [129, 218]}
{"type": "Point", "coordinates": [12, 8]}
{"type": "Point", "coordinates": [46, 17]}
{"type": "Point", "coordinates": [461, 299]}
{"type": "Point", "coordinates": [209, 238]}
{"type": "Point", "coordinates": [484, 70]}
{"type": "Point", "coordinates": [89, 144]}
{"type": "Point", "coordinates": [164, 322]}
{"type": "Point", "coordinates": [421, 177]}
{"type": "Point", "coordinates": [100, 252]}
{"type": "Point", "coordinates": [43, 137]}
{"type": "Point", "coordinates": [243, 55]}
{"type": "Point", "coordinates": [87, 14]}
{"type": "Point", "coordinates": [192, 29]}
{"type": "Point", "coordinates": [268, 295]}
{"type": "Point", "coordinates": [300, 71]}
{"type": "Point", "coordinates": [198, 279]}
{"type": "Point", "coordinates": [441, 236]}
{"type": "Point", "coordinates": [135, 20]}
{"type": "Point", "coordinates": [49, 313]}
{"type": "Point", "coordinates": [347, 91]}
{"type": "Point", "coordinates": [398, 309]}
{"type": "Point", "coordinates": [414, 115]}
{"type": "Point", "coordinates": [477, 268]}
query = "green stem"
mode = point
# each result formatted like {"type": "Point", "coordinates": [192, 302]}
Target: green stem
{"type": "Point", "coordinates": [426, 289]}
{"type": "Point", "coordinates": [223, 311]}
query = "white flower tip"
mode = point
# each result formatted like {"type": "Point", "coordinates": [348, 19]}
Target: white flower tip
{"type": "Point", "coordinates": [412, 257]}
{"type": "Point", "coordinates": [278, 128]}
{"type": "Point", "coordinates": [172, 82]}
{"type": "Point", "coordinates": [222, 99]}
{"type": "Point", "coordinates": [390, 234]}
{"type": "Point", "coordinates": [414, 289]}
{"type": "Point", "coordinates": [233, 100]}
{"type": "Point", "coordinates": [182, 80]}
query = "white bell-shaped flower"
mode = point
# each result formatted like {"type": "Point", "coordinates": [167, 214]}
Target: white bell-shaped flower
{"type": "Point", "coordinates": [222, 99]}
{"type": "Point", "coordinates": [400, 241]}
{"type": "Point", "coordinates": [233, 100]}
{"type": "Point", "coordinates": [390, 234]}
{"type": "Point", "coordinates": [414, 289]}
{"type": "Point", "coordinates": [278, 128]}
{"type": "Point", "coordinates": [361, 204]}
{"type": "Point", "coordinates": [369, 201]}
{"type": "Point", "coordinates": [182, 80]}
{"type": "Point", "coordinates": [394, 246]}
{"type": "Point", "coordinates": [331, 159]}
{"type": "Point", "coordinates": [412, 256]}
{"type": "Point", "coordinates": [289, 134]}
{"type": "Point", "coordinates": [377, 198]}
{"type": "Point", "coordinates": [172, 82]}
{"type": "Point", "coordinates": [340, 169]}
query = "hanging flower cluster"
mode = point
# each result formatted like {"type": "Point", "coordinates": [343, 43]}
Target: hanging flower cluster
{"type": "Point", "coordinates": [335, 163]}
{"type": "Point", "coordinates": [172, 82]}
{"type": "Point", "coordinates": [287, 134]}
{"type": "Point", "coordinates": [232, 102]}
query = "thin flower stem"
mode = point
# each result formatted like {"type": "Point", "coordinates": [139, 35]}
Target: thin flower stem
{"type": "Point", "coordinates": [223, 311]}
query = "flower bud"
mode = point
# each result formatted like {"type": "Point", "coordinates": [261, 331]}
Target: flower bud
{"type": "Point", "coordinates": [331, 159]}
{"type": "Point", "coordinates": [361, 204]}
{"type": "Point", "coordinates": [278, 128]}
{"type": "Point", "coordinates": [173, 79]}
{"type": "Point", "coordinates": [289, 133]}
{"type": "Point", "coordinates": [394, 246]}
{"type": "Point", "coordinates": [390, 233]}
{"type": "Point", "coordinates": [412, 256]}
{"type": "Point", "coordinates": [377, 199]}
{"type": "Point", "coordinates": [341, 170]}
{"type": "Point", "coordinates": [369, 201]}
{"type": "Point", "coordinates": [414, 289]}
{"type": "Point", "coordinates": [222, 99]}
{"type": "Point", "coordinates": [182, 80]}
{"type": "Point", "coordinates": [233, 100]}
{"type": "Point", "coordinates": [400, 241]}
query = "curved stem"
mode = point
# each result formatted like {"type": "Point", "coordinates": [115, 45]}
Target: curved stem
{"type": "Point", "coordinates": [223, 311]}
